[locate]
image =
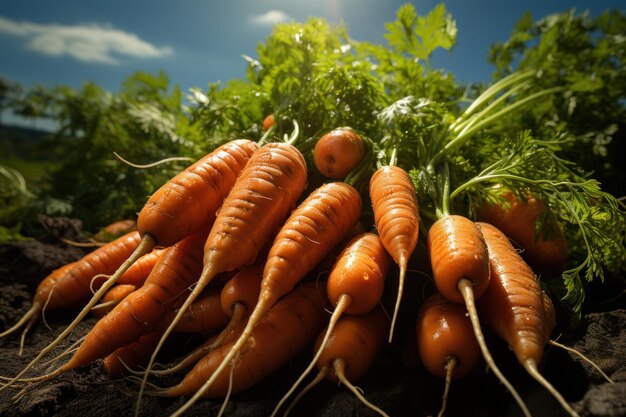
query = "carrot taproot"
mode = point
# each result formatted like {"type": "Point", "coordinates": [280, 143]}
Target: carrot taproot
{"type": "Point", "coordinates": [263, 195]}
{"type": "Point", "coordinates": [460, 267]}
{"type": "Point", "coordinates": [513, 306]}
{"type": "Point", "coordinates": [338, 152]}
{"type": "Point", "coordinates": [112, 298]}
{"type": "Point", "coordinates": [349, 352]}
{"type": "Point", "coordinates": [545, 249]}
{"type": "Point", "coordinates": [355, 286]}
{"type": "Point", "coordinates": [69, 285]}
{"type": "Point", "coordinates": [396, 215]}
{"type": "Point", "coordinates": [283, 331]}
{"type": "Point", "coordinates": [318, 224]}
{"type": "Point", "coordinates": [445, 341]}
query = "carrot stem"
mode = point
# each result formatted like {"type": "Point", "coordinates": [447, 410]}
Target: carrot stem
{"type": "Point", "coordinates": [339, 366]}
{"type": "Point", "coordinates": [450, 365]}
{"type": "Point", "coordinates": [318, 378]}
{"type": "Point", "coordinates": [583, 357]}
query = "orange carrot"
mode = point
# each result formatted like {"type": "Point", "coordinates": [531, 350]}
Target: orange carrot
{"type": "Point", "coordinates": [268, 122]}
{"type": "Point", "coordinates": [355, 286]}
{"type": "Point", "coordinates": [258, 203]}
{"type": "Point", "coordinates": [137, 273]}
{"type": "Point", "coordinates": [112, 298]}
{"type": "Point", "coordinates": [131, 356]}
{"type": "Point", "coordinates": [69, 285]}
{"type": "Point", "coordinates": [284, 331]}
{"type": "Point", "coordinates": [115, 230]}
{"type": "Point", "coordinates": [180, 207]}
{"type": "Point", "coordinates": [349, 352]}
{"type": "Point", "coordinates": [203, 315]}
{"type": "Point", "coordinates": [338, 152]}
{"type": "Point", "coordinates": [545, 251]}
{"type": "Point", "coordinates": [446, 341]}
{"type": "Point", "coordinates": [514, 306]}
{"type": "Point", "coordinates": [460, 265]}
{"type": "Point", "coordinates": [318, 224]}
{"type": "Point", "coordinates": [396, 215]}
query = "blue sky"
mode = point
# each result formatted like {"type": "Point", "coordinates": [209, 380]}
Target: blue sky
{"type": "Point", "coordinates": [200, 41]}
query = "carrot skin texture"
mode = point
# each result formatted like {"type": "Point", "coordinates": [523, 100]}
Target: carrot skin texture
{"type": "Point", "coordinates": [133, 355]}
{"type": "Point", "coordinates": [243, 288]}
{"type": "Point", "coordinates": [396, 211]}
{"type": "Point", "coordinates": [265, 193]}
{"type": "Point", "coordinates": [513, 304]}
{"type": "Point", "coordinates": [443, 330]}
{"type": "Point", "coordinates": [137, 273]}
{"type": "Point", "coordinates": [319, 223]}
{"type": "Point", "coordinates": [360, 272]}
{"type": "Point", "coordinates": [356, 339]}
{"type": "Point", "coordinates": [458, 250]}
{"type": "Point", "coordinates": [547, 254]}
{"type": "Point", "coordinates": [202, 315]}
{"type": "Point", "coordinates": [285, 330]}
{"type": "Point", "coordinates": [176, 270]}
{"type": "Point", "coordinates": [116, 293]}
{"type": "Point", "coordinates": [71, 289]}
{"type": "Point", "coordinates": [191, 198]}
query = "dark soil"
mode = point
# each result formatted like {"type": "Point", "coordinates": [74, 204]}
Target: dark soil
{"type": "Point", "coordinates": [397, 383]}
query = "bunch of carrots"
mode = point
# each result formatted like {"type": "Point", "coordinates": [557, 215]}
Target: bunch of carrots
{"type": "Point", "coordinates": [266, 248]}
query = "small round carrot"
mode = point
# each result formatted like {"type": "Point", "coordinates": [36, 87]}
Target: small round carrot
{"type": "Point", "coordinates": [284, 331]}
{"type": "Point", "coordinates": [546, 250]}
{"type": "Point", "coordinates": [396, 215]}
{"type": "Point", "coordinates": [268, 122]}
{"type": "Point", "coordinates": [112, 298]}
{"type": "Point", "coordinates": [514, 306]}
{"type": "Point", "coordinates": [355, 286]}
{"type": "Point", "coordinates": [349, 352]}
{"type": "Point", "coordinates": [318, 224]}
{"type": "Point", "coordinates": [446, 341]}
{"type": "Point", "coordinates": [460, 265]}
{"type": "Point", "coordinates": [338, 152]}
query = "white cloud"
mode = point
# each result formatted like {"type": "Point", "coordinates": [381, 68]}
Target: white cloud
{"type": "Point", "coordinates": [88, 43]}
{"type": "Point", "coordinates": [269, 18]}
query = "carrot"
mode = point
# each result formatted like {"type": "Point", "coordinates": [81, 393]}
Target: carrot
{"type": "Point", "coordinates": [69, 285]}
{"type": "Point", "coordinates": [349, 352]}
{"type": "Point", "coordinates": [355, 286]}
{"type": "Point", "coordinates": [262, 197]}
{"type": "Point", "coordinates": [283, 332]}
{"type": "Point", "coordinates": [112, 298]}
{"type": "Point", "coordinates": [338, 152]}
{"type": "Point", "coordinates": [546, 250]}
{"type": "Point", "coordinates": [137, 273]}
{"type": "Point", "coordinates": [460, 266]}
{"type": "Point", "coordinates": [268, 122]}
{"type": "Point", "coordinates": [176, 270]}
{"type": "Point", "coordinates": [131, 356]}
{"type": "Point", "coordinates": [236, 299]}
{"type": "Point", "coordinates": [514, 306]}
{"type": "Point", "coordinates": [445, 341]}
{"type": "Point", "coordinates": [318, 224]}
{"type": "Point", "coordinates": [114, 230]}
{"type": "Point", "coordinates": [396, 215]}
{"type": "Point", "coordinates": [180, 207]}
{"type": "Point", "coordinates": [203, 315]}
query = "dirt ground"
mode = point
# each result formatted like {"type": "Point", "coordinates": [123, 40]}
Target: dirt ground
{"type": "Point", "coordinates": [397, 383]}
